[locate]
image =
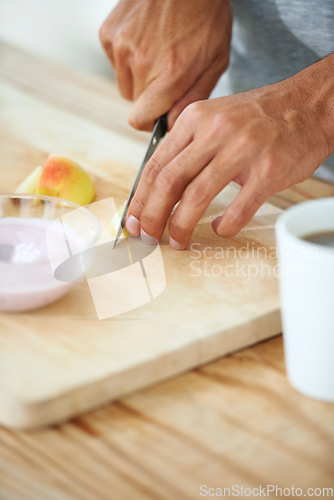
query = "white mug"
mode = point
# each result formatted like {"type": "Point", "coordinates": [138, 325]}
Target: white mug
{"type": "Point", "coordinates": [307, 297]}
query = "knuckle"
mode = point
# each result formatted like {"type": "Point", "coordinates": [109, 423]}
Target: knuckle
{"type": "Point", "coordinates": [149, 222]}
{"type": "Point", "coordinates": [136, 206]}
{"type": "Point", "coordinates": [267, 173]}
{"type": "Point", "coordinates": [104, 34]}
{"type": "Point", "coordinates": [252, 135]}
{"type": "Point", "coordinates": [172, 66]}
{"type": "Point", "coordinates": [197, 194]}
{"type": "Point", "coordinates": [253, 141]}
{"type": "Point", "coordinates": [168, 181]}
{"type": "Point", "coordinates": [140, 61]}
{"type": "Point", "coordinates": [120, 44]}
{"type": "Point", "coordinates": [220, 121]}
{"type": "Point", "coordinates": [194, 111]}
{"type": "Point", "coordinates": [152, 170]}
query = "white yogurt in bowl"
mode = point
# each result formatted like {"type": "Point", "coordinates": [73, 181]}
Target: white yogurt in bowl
{"type": "Point", "coordinates": [32, 246]}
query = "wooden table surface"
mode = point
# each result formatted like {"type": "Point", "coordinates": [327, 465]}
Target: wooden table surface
{"type": "Point", "coordinates": [236, 422]}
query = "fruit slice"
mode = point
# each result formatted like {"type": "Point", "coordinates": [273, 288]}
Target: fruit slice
{"type": "Point", "coordinates": [29, 185]}
{"type": "Point", "coordinates": [115, 222]}
{"type": "Point", "coordinates": [63, 178]}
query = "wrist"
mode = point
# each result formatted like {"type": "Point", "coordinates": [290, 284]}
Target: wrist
{"type": "Point", "coordinates": [316, 87]}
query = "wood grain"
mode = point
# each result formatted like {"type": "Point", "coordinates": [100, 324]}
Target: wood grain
{"type": "Point", "coordinates": [235, 421]}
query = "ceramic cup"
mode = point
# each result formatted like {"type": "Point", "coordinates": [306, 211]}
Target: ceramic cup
{"type": "Point", "coordinates": [307, 297]}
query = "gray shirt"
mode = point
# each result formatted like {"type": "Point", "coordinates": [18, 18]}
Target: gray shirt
{"type": "Point", "coordinates": [274, 39]}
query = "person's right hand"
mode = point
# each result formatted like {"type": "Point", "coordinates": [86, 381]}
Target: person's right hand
{"type": "Point", "coordinates": [166, 54]}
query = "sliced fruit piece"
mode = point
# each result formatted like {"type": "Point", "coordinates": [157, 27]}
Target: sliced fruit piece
{"type": "Point", "coordinates": [63, 178]}
{"type": "Point", "coordinates": [115, 222]}
{"type": "Point", "coordinates": [29, 185]}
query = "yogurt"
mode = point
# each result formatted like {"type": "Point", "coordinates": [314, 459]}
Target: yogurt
{"type": "Point", "coordinates": [26, 278]}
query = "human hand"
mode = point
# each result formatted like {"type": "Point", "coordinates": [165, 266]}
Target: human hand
{"type": "Point", "coordinates": [166, 54]}
{"type": "Point", "coordinates": [266, 140]}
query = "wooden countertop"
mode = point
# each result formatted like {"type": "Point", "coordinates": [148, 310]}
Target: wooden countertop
{"type": "Point", "coordinates": [233, 422]}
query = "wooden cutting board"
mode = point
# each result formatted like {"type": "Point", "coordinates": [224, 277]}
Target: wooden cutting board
{"type": "Point", "coordinates": [220, 295]}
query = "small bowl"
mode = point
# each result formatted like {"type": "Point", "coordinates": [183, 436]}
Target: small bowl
{"type": "Point", "coordinates": [37, 235]}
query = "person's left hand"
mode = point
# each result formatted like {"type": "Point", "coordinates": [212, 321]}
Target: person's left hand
{"type": "Point", "coordinates": [266, 140]}
{"type": "Point", "coordinates": [166, 54]}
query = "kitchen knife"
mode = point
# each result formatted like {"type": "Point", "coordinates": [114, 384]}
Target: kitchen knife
{"type": "Point", "coordinates": [159, 130]}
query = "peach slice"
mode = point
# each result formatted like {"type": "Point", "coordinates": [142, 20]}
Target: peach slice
{"type": "Point", "coordinates": [63, 178]}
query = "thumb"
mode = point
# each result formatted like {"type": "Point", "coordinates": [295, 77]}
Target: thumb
{"type": "Point", "coordinates": [155, 101]}
{"type": "Point", "coordinates": [163, 96]}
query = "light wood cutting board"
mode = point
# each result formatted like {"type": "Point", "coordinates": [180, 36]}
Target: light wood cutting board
{"type": "Point", "coordinates": [220, 295]}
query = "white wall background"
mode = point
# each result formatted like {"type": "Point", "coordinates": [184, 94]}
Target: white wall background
{"type": "Point", "coordinates": [62, 30]}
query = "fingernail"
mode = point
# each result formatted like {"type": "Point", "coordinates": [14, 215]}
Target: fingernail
{"type": "Point", "coordinates": [147, 239]}
{"type": "Point", "coordinates": [216, 221]}
{"type": "Point", "coordinates": [174, 244]}
{"type": "Point", "coordinates": [132, 225]}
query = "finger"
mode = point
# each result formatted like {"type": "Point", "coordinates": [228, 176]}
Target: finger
{"type": "Point", "coordinates": [241, 210]}
{"type": "Point", "coordinates": [124, 76]}
{"type": "Point", "coordinates": [169, 186]}
{"type": "Point", "coordinates": [118, 51]}
{"type": "Point", "coordinates": [105, 39]}
{"type": "Point", "coordinates": [196, 199]}
{"type": "Point", "coordinates": [177, 140]}
{"type": "Point", "coordinates": [170, 95]}
{"type": "Point", "coordinates": [124, 81]}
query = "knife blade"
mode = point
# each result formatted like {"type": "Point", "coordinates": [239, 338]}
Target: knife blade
{"type": "Point", "coordinates": [159, 130]}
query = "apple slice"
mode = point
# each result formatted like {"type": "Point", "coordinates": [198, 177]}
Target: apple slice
{"type": "Point", "coordinates": [63, 178]}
